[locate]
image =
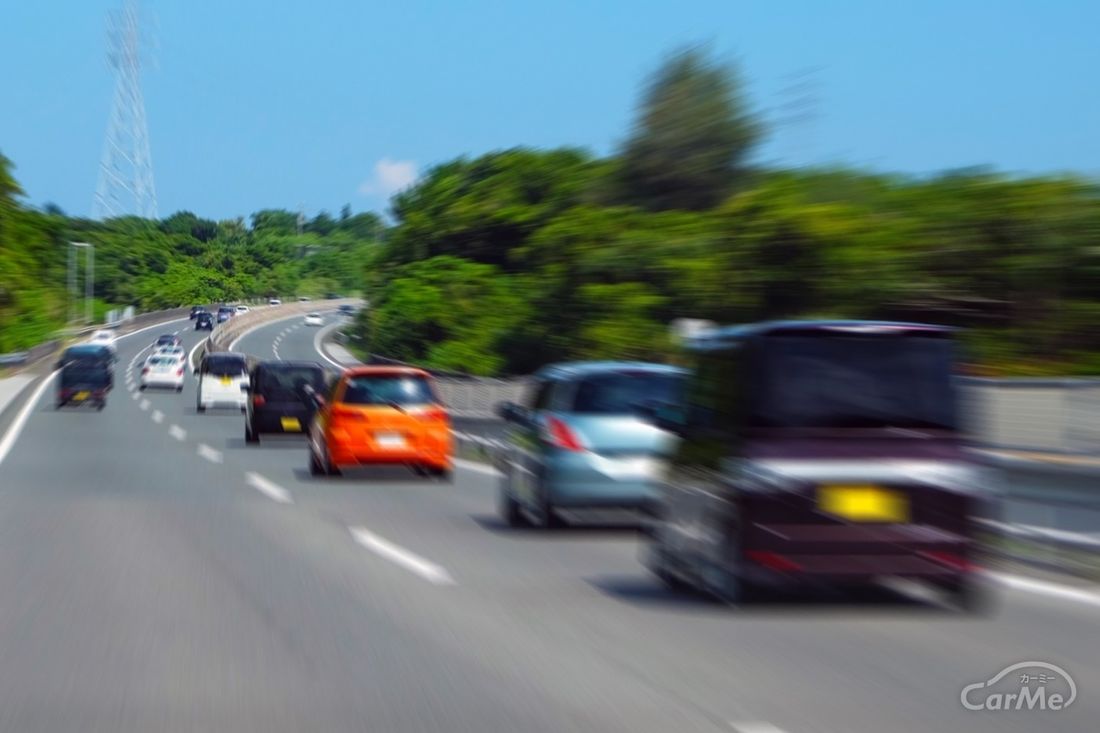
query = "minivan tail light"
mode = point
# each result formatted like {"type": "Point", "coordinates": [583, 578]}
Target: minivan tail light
{"type": "Point", "coordinates": [562, 436]}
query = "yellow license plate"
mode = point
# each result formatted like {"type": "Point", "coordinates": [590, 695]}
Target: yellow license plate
{"type": "Point", "coordinates": [864, 503]}
{"type": "Point", "coordinates": [227, 380]}
{"type": "Point", "coordinates": [291, 424]}
{"type": "Point", "coordinates": [81, 396]}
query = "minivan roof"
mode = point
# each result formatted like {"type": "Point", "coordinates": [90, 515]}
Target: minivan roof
{"type": "Point", "coordinates": [589, 368]}
{"type": "Point", "coordinates": [727, 336]}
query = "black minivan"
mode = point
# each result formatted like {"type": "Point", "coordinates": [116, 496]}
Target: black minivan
{"type": "Point", "coordinates": [280, 397]}
{"type": "Point", "coordinates": [86, 376]}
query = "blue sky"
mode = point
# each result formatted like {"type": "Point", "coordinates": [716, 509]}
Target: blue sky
{"type": "Point", "coordinates": [267, 103]}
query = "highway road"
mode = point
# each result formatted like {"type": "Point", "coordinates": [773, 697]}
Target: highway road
{"type": "Point", "coordinates": [158, 574]}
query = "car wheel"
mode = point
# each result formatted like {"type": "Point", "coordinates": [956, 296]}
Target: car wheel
{"type": "Point", "coordinates": [327, 465]}
{"type": "Point", "coordinates": [179, 389]}
{"type": "Point", "coordinates": [141, 388]}
{"type": "Point", "coordinates": [101, 405]}
{"type": "Point", "coordinates": [419, 469]}
{"type": "Point", "coordinates": [315, 467]}
{"type": "Point", "coordinates": [547, 517]}
{"type": "Point", "coordinates": [445, 475]}
{"type": "Point", "coordinates": [510, 510]}
{"type": "Point", "coordinates": [200, 407]}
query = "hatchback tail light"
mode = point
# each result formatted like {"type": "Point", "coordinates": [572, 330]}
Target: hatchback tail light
{"type": "Point", "coordinates": [434, 414]}
{"type": "Point", "coordinates": [772, 561]}
{"type": "Point", "coordinates": [179, 372]}
{"type": "Point", "coordinates": [145, 370]}
{"type": "Point", "coordinates": [562, 436]}
{"type": "Point", "coordinates": [949, 559]}
{"type": "Point", "coordinates": [258, 400]}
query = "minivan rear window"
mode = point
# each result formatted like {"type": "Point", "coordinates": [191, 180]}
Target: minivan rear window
{"type": "Point", "coordinates": [288, 383]}
{"type": "Point", "coordinates": [620, 393]}
{"type": "Point", "coordinates": [400, 389]}
{"type": "Point", "coordinates": [225, 367]}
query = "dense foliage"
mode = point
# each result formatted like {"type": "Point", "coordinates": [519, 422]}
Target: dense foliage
{"type": "Point", "coordinates": [600, 256]}
{"type": "Point", "coordinates": [176, 261]}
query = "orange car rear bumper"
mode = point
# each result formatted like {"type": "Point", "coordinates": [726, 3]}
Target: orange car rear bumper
{"type": "Point", "coordinates": [434, 450]}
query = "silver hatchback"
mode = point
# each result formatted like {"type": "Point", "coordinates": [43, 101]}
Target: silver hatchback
{"type": "Point", "coordinates": [584, 442]}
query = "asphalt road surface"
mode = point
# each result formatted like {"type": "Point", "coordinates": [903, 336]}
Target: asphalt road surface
{"type": "Point", "coordinates": [160, 575]}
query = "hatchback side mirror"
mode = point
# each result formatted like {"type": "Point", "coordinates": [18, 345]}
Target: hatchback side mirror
{"type": "Point", "coordinates": [511, 412]}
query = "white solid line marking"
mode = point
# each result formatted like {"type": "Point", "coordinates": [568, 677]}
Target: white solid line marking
{"type": "Point", "coordinates": [209, 453]}
{"type": "Point", "coordinates": [321, 351]}
{"type": "Point", "coordinates": [1042, 587]}
{"type": "Point", "coordinates": [21, 419]}
{"type": "Point", "coordinates": [475, 466]}
{"type": "Point", "coordinates": [269, 489]}
{"type": "Point", "coordinates": [755, 726]}
{"type": "Point", "coordinates": [177, 432]}
{"type": "Point", "coordinates": [144, 404]}
{"type": "Point", "coordinates": [413, 563]}
{"type": "Point", "coordinates": [158, 416]}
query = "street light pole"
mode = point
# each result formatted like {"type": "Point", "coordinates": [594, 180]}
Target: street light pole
{"type": "Point", "coordinates": [89, 280]}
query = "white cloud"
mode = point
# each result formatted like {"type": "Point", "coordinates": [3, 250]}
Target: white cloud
{"type": "Point", "coordinates": [390, 176]}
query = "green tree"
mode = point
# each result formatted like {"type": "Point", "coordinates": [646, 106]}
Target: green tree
{"type": "Point", "coordinates": [692, 137]}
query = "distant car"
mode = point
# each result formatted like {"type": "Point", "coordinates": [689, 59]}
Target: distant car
{"type": "Point", "coordinates": [106, 338]}
{"type": "Point", "coordinates": [163, 370]}
{"type": "Point", "coordinates": [221, 375]}
{"type": "Point", "coordinates": [303, 299]}
{"type": "Point", "coordinates": [314, 319]}
{"type": "Point", "coordinates": [242, 309]}
{"type": "Point", "coordinates": [347, 310]}
{"type": "Point", "coordinates": [225, 313]}
{"type": "Point", "coordinates": [196, 310]}
{"type": "Point", "coordinates": [280, 397]}
{"type": "Point", "coordinates": [204, 322]}
{"type": "Point", "coordinates": [86, 375]}
{"type": "Point", "coordinates": [332, 296]}
{"type": "Point", "coordinates": [382, 415]}
{"type": "Point", "coordinates": [167, 339]}
{"type": "Point", "coordinates": [274, 301]}
{"type": "Point", "coordinates": [585, 441]}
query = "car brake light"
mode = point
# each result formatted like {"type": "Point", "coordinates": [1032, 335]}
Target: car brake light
{"type": "Point", "coordinates": [435, 414]}
{"type": "Point", "coordinates": [772, 560]}
{"type": "Point", "coordinates": [562, 436]}
{"type": "Point", "coordinates": [258, 400]}
{"type": "Point", "coordinates": [145, 370]}
{"type": "Point", "coordinates": [950, 559]}
{"type": "Point", "coordinates": [179, 372]}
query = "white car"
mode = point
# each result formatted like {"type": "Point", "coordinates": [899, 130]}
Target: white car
{"type": "Point", "coordinates": [274, 301]}
{"type": "Point", "coordinates": [314, 319]}
{"type": "Point", "coordinates": [163, 370]}
{"type": "Point", "coordinates": [221, 376]}
{"type": "Point", "coordinates": [104, 337]}
{"type": "Point", "coordinates": [176, 352]}
{"type": "Point", "coordinates": [242, 309]}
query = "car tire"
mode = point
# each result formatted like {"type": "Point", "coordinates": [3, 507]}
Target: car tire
{"type": "Point", "coordinates": [141, 388]}
{"type": "Point", "coordinates": [179, 389]}
{"type": "Point", "coordinates": [510, 510]}
{"type": "Point", "coordinates": [315, 467]}
{"type": "Point", "coordinates": [547, 517]}
{"type": "Point", "coordinates": [250, 435]}
{"type": "Point", "coordinates": [326, 464]}
{"type": "Point", "coordinates": [200, 407]}
{"type": "Point", "coordinates": [445, 475]}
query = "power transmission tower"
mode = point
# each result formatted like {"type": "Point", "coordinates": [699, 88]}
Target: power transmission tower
{"type": "Point", "coordinates": [126, 168]}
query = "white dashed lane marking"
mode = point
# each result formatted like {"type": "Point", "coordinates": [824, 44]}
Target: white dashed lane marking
{"type": "Point", "coordinates": [144, 404]}
{"type": "Point", "coordinates": [177, 432]}
{"type": "Point", "coordinates": [205, 451]}
{"type": "Point", "coordinates": [268, 488]}
{"type": "Point", "coordinates": [398, 555]}
{"type": "Point", "coordinates": [158, 416]}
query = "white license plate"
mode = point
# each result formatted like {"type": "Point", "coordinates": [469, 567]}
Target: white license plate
{"type": "Point", "coordinates": [389, 440]}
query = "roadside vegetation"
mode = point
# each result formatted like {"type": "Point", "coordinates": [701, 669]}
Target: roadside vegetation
{"type": "Point", "coordinates": [499, 263]}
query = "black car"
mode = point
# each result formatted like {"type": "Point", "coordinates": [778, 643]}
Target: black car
{"type": "Point", "coordinates": [347, 310]}
{"type": "Point", "coordinates": [204, 322]}
{"type": "Point", "coordinates": [280, 398]}
{"type": "Point", "coordinates": [225, 313]}
{"type": "Point", "coordinates": [87, 375]}
{"type": "Point", "coordinates": [196, 310]}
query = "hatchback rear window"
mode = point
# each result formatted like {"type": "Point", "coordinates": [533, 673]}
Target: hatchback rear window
{"type": "Point", "coordinates": [620, 393]}
{"type": "Point", "coordinates": [399, 389]}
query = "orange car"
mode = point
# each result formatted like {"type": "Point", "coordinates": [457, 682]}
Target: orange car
{"type": "Point", "coordinates": [382, 415]}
